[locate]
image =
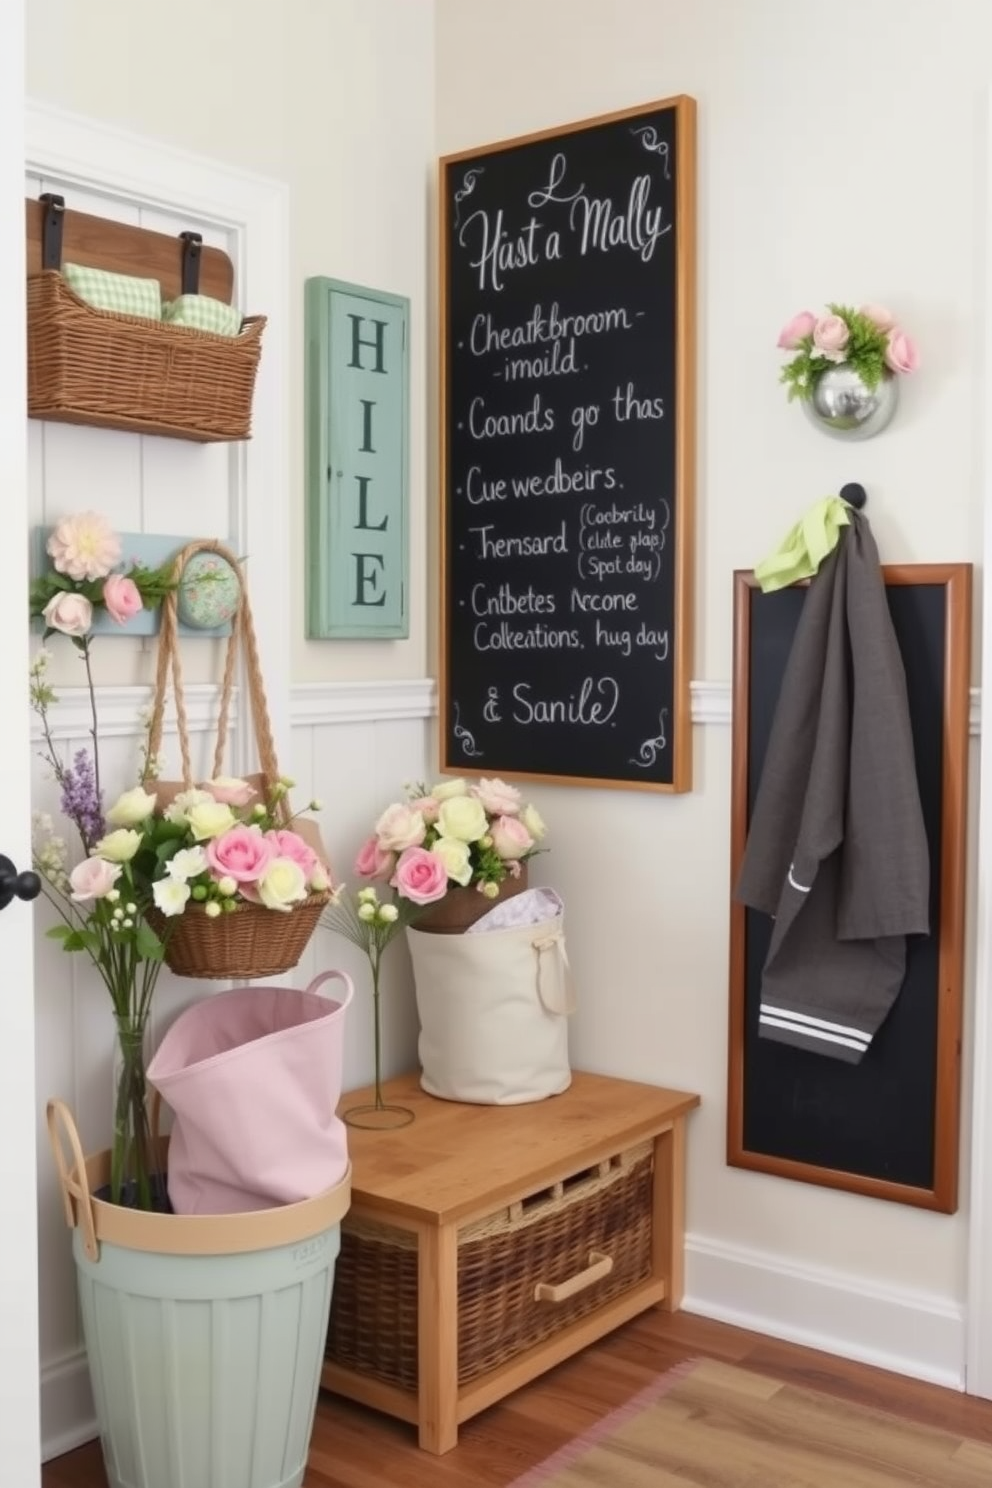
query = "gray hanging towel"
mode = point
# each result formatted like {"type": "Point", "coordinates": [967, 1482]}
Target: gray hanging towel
{"type": "Point", "coordinates": [837, 849]}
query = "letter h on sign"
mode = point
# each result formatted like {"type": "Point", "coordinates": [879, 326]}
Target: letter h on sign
{"type": "Point", "coordinates": [357, 436]}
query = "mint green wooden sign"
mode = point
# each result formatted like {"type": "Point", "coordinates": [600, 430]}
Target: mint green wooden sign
{"type": "Point", "coordinates": [357, 436]}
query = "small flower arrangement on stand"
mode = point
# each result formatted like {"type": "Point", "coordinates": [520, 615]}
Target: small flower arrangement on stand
{"type": "Point", "coordinates": [447, 853]}
{"type": "Point", "coordinates": [845, 366]}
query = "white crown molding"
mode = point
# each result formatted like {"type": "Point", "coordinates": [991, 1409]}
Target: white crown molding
{"type": "Point", "coordinates": [121, 710]}
{"type": "Point", "coordinates": [711, 702]}
{"type": "Point", "coordinates": [316, 703]}
{"type": "Point", "coordinates": [894, 1328]}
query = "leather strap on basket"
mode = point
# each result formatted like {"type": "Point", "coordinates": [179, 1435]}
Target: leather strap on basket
{"type": "Point", "coordinates": [170, 663]}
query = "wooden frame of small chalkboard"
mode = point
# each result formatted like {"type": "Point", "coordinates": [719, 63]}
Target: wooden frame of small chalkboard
{"type": "Point", "coordinates": [567, 452]}
{"type": "Point", "coordinates": [888, 1126]}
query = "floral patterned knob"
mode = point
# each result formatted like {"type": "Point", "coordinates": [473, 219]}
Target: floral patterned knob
{"type": "Point", "coordinates": [209, 591]}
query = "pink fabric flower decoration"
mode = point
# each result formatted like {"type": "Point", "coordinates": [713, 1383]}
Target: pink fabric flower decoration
{"type": "Point", "coordinates": [121, 597]}
{"type": "Point", "coordinates": [881, 319]}
{"type": "Point", "coordinates": [420, 876]}
{"type": "Point", "coordinates": [93, 878]}
{"type": "Point", "coordinates": [287, 844]}
{"type": "Point", "coordinates": [240, 854]}
{"type": "Point", "coordinates": [792, 334]}
{"type": "Point", "coordinates": [830, 336]}
{"type": "Point", "coordinates": [84, 546]}
{"type": "Point", "coordinates": [72, 614]}
{"type": "Point", "coordinates": [901, 353]}
{"type": "Point", "coordinates": [511, 838]}
{"type": "Point", "coordinates": [229, 790]}
{"type": "Point", "coordinates": [374, 861]}
{"type": "Point", "coordinates": [498, 798]}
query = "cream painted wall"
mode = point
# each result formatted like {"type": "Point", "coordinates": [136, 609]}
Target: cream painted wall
{"type": "Point", "coordinates": [335, 99]}
{"type": "Point", "coordinates": [841, 156]}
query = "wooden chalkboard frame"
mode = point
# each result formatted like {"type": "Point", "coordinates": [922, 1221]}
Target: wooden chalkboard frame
{"type": "Point", "coordinates": [942, 1196]}
{"type": "Point", "coordinates": [680, 731]}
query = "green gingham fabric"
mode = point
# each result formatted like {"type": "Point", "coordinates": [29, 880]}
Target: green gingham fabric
{"type": "Point", "coordinates": [203, 314]}
{"type": "Point", "coordinates": [123, 293]}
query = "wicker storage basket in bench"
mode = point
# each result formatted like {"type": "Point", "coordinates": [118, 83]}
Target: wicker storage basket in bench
{"type": "Point", "coordinates": [524, 1273]}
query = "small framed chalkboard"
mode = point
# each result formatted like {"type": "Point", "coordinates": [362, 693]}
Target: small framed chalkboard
{"type": "Point", "coordinates": [567, 452]}
{"type": "Point", "coordinates": [888, 1126]}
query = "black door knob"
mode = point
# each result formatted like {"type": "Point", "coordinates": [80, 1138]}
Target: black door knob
{"type": "Point", "coordinates": [14, 885]}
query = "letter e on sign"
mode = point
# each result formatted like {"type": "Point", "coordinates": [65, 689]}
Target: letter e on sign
{"type": "Point", "coordinates": [357, 462]}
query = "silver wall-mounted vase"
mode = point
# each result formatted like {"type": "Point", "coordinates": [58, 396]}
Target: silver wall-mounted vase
{"type": "Point", "coordinates": [844, 407]}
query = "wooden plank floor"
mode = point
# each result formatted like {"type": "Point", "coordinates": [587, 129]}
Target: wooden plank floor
{"type": "Point", "coordinates": [357, 1448]}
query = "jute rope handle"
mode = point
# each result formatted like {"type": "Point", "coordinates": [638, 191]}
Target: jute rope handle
{"type": "Point", "coordinates": [77, 1201]}
{"type": "Point", "coordinates": [170, 662]}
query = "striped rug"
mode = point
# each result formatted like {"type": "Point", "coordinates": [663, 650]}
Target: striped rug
{"type": "Point", "coordinates": [708, 1423]}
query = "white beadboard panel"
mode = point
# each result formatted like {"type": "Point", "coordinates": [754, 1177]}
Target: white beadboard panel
{"type": "Point", "coordinates": [189, 489]}
{"type": "Point", "coordinates": [355, 770]}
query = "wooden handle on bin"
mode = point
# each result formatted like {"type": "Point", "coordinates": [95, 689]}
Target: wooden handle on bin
{"type": "Point", "coordinates": [600, 1265]}
{"type": "Point", "coordinates": [74, 1182]}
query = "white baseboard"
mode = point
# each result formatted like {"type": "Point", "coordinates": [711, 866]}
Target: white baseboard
{"type": "Point", "coordinates": [67, 1415]}
{"type": "Point", "coordinates": [905, 1331]}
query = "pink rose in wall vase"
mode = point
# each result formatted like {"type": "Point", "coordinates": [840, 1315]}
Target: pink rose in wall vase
{"type": "Point", "coordinates": [845, 367]}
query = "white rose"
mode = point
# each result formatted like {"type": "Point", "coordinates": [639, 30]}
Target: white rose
{"type": "Point", "coordinates": [463, 817]}
{"type": "Point", "coordinates": [184, 802]}
{"type": "Point", "coordinates": [283, 884]}
{"type": "Point", "coordinates": [447, 789]}
{"type": "Point", "coordinates": [170, 895]}
{"type": "Point", "coordinates": [400, 827]}
{"type": "Point", "coordinates": [119, 846]}
{"type": "Point", "coordinates": [534, 822]}
{"type": "Point", "coordinates": [189, 862]}
{"type": "Point", "coordinates": [132, 807]}
{"type": "Point", "coordinates": [388, 914]}
{"type": "Point", "coordinates": [454, 855]}
{"type": "Point", "coordinates": [210, 818]}
{"type": "Point", "coordinates": [72, 614]}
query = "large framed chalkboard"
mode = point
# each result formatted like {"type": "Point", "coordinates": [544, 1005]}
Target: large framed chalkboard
{"type": "Point", "coordinates": [567, 452]}
{"type": "Point", "coordinates": [887, 1127]}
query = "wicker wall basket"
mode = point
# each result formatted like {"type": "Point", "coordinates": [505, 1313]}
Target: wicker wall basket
{"type": "Point", "coordinates": [88, 366]}
{"type": "Point", "coordinates": [508, 1265]}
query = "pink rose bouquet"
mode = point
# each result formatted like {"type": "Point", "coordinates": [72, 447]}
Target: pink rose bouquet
{"type": "Point", "coordinates": [868, 339]}
{"type": "Point", "coordinates": [454, 835]}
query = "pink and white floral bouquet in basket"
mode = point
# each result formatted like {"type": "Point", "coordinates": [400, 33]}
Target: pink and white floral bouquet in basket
{"type": "Point", "coordinates": [454, 835]}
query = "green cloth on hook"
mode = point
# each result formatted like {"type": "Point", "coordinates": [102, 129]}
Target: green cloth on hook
{"type": "Point", "coordinates": [805, 547]}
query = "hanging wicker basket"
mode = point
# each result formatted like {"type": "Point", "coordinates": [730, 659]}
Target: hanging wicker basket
{"type": "Point", "coordinates": [251, 940]}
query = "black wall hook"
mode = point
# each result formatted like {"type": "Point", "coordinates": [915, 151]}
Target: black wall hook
{"type": "Point", "coordinates": [854, 494]}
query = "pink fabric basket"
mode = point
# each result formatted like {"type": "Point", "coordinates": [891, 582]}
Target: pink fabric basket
{"type": "Point", "coordinates": [254, 1078]}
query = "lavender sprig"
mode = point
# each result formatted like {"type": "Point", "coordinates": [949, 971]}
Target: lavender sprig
{"type": "Point", "coordinates": [80, 800]}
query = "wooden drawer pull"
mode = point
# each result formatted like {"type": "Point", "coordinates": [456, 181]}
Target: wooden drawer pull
{"type": "Point", "coordinates": [600, 1265]}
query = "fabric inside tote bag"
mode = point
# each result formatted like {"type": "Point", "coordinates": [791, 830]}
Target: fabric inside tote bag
{"type": "Point", "coordinates": [254, 1079]}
